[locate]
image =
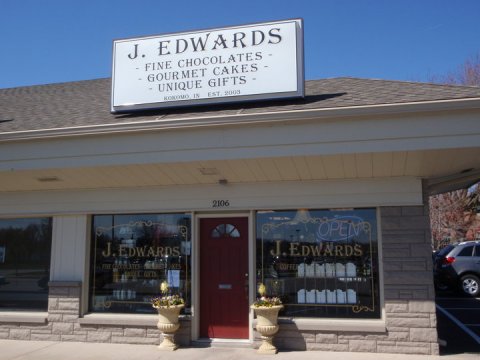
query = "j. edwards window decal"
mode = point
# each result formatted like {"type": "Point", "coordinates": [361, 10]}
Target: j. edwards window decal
{"type": "Point", "coordinates": [132, 255]}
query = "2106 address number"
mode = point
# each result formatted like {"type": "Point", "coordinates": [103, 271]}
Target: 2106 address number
{"type": "Point", "coordinates": [220, 203]}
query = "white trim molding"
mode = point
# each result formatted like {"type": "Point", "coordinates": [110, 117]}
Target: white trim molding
{"type": "Point", "coordinates": [396, 191]}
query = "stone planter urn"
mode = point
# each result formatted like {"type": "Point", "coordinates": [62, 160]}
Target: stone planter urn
{"type": "Point", "coordinates": [168, 324]}
{"type": "Point", "coordinates": [267, 326]}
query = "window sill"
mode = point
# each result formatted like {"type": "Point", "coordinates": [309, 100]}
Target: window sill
{"type": "Point", "coordinates": [149, 320]}
{"type": "Point", "coordinates": [23, 317]}
{"type": "Point", "coordinates": [348, 325]}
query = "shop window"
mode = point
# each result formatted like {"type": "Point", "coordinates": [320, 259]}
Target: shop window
{"type": "Point", "coordinates": [25, 251]}
{"type": "Point", "coordinates": [132, 255]}
{"type": "Point", "coordinates": [321, 263]}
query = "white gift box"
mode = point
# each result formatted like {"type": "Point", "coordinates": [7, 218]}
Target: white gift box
{"type": "Point", "coordinates": [331, 297]}
{"type": "Point", "coordinates": [329, 270]}
{"type": "Point", "coordinates": [351, 269]}
{"type": "Point", "coordinates": [341, 296]}
{"type": "Point", "coordinates": [311, 296]}
{"type": "Point", "coordinates": [301, 296]}
{"type": "Point", "coordinates": [301, 270]}
{"type": "Point", "coordinates": [310, 270]}
{"type": "Point", "coordinates": [321, 297]}
{"type": "Point", "coordinates": [351, 296]}
{"type": "Point", "coordinates": [339, 270]}
{"type": "Point", "coordinates": [319, 270]}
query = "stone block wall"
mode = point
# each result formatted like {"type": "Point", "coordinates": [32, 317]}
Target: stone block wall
{"type": "Point", "coordinates": [408, 280]}
{"type": "Point", "coordinates": [125, 334]}
{"type": "Point", "coordinates": [63, 311]}
{"type": "Point", "coordinates": [409, 296]}
{"type": "Point", "coordinates": [24, 331]}
{"type": "Point", "coordinates": [63, 323]}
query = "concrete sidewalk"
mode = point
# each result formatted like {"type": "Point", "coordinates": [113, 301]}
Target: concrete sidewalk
{"type": "Point", "coordinates": [49, 350]}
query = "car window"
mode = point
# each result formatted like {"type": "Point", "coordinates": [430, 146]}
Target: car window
{"type": "Point", "coordinates": [466, 251]}
{"type": "Point", "coordinates": [445, 250]}
{"type": "Point", "coordinates": [477, 250]}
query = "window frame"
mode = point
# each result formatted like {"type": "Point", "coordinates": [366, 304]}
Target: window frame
{"type": "Point", "coordinates": [377, 321]}
{"type": "Point", "coordinates": [32, 314]}
{"type": "Point", "coordinates": [90, 292]}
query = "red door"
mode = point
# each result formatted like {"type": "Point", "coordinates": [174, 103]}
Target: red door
{"type": "Point", "coordinates": [224, 278]}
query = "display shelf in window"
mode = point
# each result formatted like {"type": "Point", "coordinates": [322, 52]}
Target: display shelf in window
{"type": "Point", "coordinates": [133, 254]}
{"type": "Point", "coordinates": [325, 262]}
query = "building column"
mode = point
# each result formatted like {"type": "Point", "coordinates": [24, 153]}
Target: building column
{"type": "Point", "coordinates": [408, 281]}
{"type": "Point", "coordinates": [64, 304]}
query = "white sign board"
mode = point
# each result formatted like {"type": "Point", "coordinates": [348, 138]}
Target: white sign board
{"type": "Point", "coordinates": [251, 62]}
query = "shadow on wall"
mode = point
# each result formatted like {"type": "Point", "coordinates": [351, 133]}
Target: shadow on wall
{"type": "Point", "coordinates": [289, 337]}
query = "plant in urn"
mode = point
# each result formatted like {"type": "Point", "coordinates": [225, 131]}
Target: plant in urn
{"type": "Point", "coordinates": [266, 309]}
{"type": "Point", "coordinates": [168, 307]}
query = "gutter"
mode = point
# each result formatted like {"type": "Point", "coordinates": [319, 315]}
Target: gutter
{"type": "Point", "coordinates": [443, 184]}
{"type": "Point", "coordinates": [161, 123]}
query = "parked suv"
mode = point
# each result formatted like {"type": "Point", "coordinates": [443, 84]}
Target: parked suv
{"type": "Point", "coordinates": [457, 266]}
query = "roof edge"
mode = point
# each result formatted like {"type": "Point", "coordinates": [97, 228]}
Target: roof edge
{"type": "Point", "coordinates": [241, 119]}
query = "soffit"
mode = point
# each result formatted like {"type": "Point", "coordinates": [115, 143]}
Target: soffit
{"type": "Point", "coordinates": [422, 164]}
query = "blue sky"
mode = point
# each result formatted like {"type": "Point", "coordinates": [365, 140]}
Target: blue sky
{"type": "Point", "coordinates": [48, 41]}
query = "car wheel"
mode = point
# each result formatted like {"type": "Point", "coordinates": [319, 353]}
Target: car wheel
{"type": "Point", "coordinates": [470, 285]}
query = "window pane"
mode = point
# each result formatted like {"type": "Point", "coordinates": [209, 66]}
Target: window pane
{"type": "Point", "coordinates": [322, 263]}
{"type": "Point", "coordinates": [446, 250]}
{"type": "Point", "coordinates": [225, 230]}
{"type": "Point", "coordinates": [477, 250]}
{"type": "Point", "coordinates": [466, 251]}
{"type": "Point", "coordinates": [25, 247]}
{"type": "Point", "coordinates": [132, 255]}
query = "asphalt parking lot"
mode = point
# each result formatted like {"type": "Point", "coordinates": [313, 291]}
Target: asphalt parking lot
{"type": "Point", "coordinates": [458, 321]}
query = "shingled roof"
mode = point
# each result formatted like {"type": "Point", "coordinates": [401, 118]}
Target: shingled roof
{"type": "Point", "coordinates": [86, 103]}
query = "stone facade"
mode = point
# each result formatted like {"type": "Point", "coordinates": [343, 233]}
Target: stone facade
{"type": "Point", "coordinates": [408, 280]}
{"type": "Point", "coordinates": [408, 300]}
{"type": "Point", "coordinates": [63, 323]}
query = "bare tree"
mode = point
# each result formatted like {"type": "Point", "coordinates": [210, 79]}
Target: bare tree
{"type": "Point", "coordinates": [455, 216]}
{"type": "Point", "coordinates": [467, 74]}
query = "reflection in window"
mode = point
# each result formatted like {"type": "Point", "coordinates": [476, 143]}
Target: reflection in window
{"type": "Point", "coordinates": [132, 255]}
{"type": "Point", "coordinates": [322, 263]}
{"type": "Point", "coordinates": [225, 230]}
{"type": "Point", "coordinates": [25, 247]}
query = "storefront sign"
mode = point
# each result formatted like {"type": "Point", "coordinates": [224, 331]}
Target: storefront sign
{"type": "Point", "coordinates": [341, 228]}
{"type": "Point", "coordinates": [252, 62]}
{"type": "Point", "coordinates": [299, 249]}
